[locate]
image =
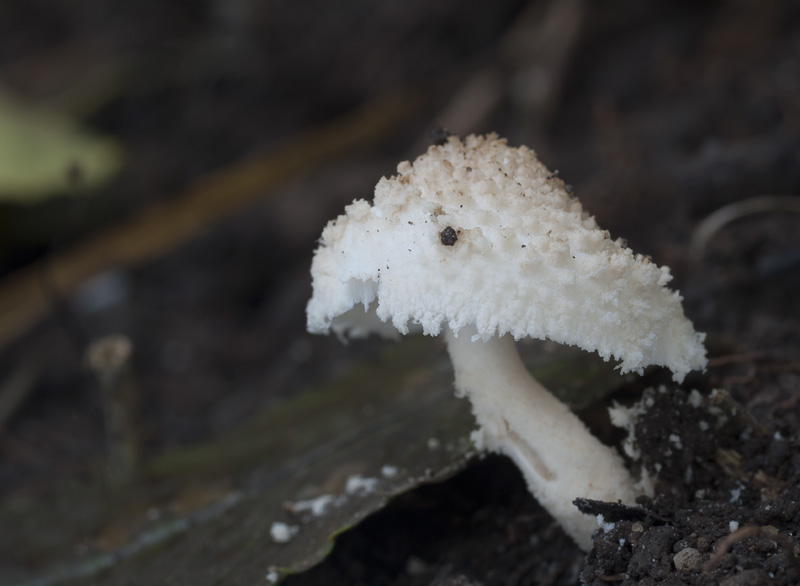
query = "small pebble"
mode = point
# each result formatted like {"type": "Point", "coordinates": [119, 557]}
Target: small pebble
{"type": "Point", "coordinates": [687, 559]}
{"type": "Point", "coordinates": [769, 531]}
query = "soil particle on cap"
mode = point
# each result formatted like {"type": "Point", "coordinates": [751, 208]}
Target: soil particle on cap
{"type": "Point", "coordinates": [448, 236]}
{"type": "Point", "coordinates": [439, 135]}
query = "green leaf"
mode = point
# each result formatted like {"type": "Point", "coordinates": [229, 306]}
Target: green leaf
{"type": "Point", "coordinates": [43, 153]}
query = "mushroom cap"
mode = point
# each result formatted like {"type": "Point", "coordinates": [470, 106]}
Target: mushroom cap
{"type": "Point", "coordinates": [475, 232]}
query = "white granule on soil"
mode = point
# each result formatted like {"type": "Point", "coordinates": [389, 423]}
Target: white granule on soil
{"type": "Point", "coordinates": [675, 440]}
{"type": "Point", "coordinates": [695, 399]}
{"type": "Point", "coordinates": [626, 418]}
{"type": "Point", "coordinates": [601, 522]}
{"type": "Point", "coordinates": [389, 471]}
{"type": "Point", "coordinates": [733, 526]}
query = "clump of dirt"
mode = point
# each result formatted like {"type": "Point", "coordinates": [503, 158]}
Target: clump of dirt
{"type": "Point", "coordinates": [726, 504]}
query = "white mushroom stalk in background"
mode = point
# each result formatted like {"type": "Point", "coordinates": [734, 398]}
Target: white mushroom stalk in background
{"type": "Point", "coordinates": [480, 242]}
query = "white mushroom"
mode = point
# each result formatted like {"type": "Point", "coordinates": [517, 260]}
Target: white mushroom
{"type": "Point", "coordinates": [480, 242]}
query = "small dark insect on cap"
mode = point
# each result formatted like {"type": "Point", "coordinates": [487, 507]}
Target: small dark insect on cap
{"type": "Point", "coordinates": [439, 135]}
{"type": "Point", "coordinates": [448, 236]}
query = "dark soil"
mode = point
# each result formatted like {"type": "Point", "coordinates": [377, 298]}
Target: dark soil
{"type": "Point", "coordinates": [481, 526]}
{"type": "Point", "coordinates": [726, 506]}
{"type": "Point", "coordinates": [664, 112]}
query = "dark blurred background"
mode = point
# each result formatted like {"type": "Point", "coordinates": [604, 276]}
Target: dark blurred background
{"type": "Point", "coordinates": [237, 128]}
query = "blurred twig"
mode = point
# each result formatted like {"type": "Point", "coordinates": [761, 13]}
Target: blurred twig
{"type": "Point", "coordinates": [16, 387]}
{"type": "Point", "coordinates": [714, 222]}
{"type": "Point", "coordinates": [537, 52]}
{"type": "Point", "coordinates": [526, 67]}
{"type": "Point", "coordinates": [110, 360]}
{"type": "Point", "coordinates": [164, 225]}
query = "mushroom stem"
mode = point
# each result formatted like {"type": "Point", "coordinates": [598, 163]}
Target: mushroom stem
{"type": "Point", "coordinates": [560, 459]}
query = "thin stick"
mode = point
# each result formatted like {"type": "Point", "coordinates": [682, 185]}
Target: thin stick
{"type": "Point", "coordinates": [718, 219]}
{"type": "Point", "coordinates": [110, 360]}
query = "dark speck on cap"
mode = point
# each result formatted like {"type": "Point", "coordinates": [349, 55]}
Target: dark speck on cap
{"type": "Point", "coordinates": [439, 135]}
{"type": "Point", "coordinates": [448, 236]}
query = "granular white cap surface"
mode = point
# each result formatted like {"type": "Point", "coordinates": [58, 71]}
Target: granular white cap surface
{"type": "Point", "coordinates": [475, 232]}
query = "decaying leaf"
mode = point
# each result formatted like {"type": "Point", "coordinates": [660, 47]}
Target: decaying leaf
{"type": "Point", "coordinates": [269, 498]}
